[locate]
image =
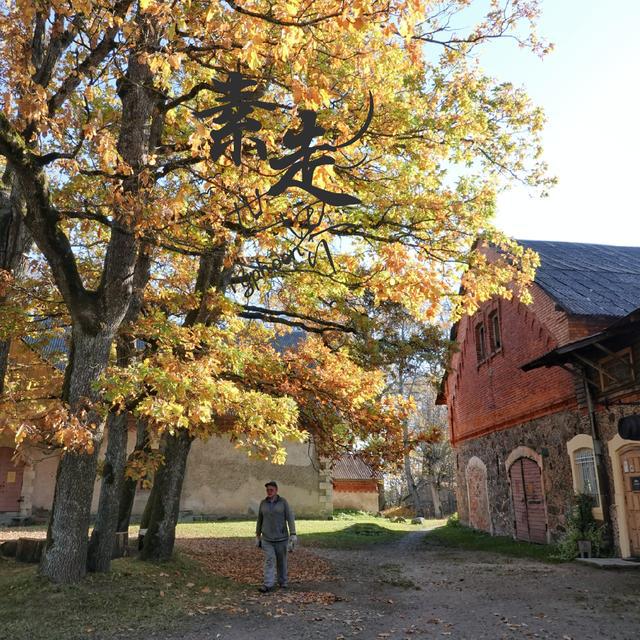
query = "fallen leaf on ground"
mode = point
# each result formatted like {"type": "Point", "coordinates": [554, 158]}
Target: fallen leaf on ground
{"type": "Point", "coordinates": [308, 597]}
{"type": "Point", "coordinates": [235, 559]}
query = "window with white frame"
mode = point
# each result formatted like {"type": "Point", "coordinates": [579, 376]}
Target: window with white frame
{"type": "Point", "coordinates": [586, 480]}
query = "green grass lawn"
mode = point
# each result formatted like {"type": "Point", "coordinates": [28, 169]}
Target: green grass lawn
{"type": "Point", "coordinates": [135, 596]}
{"type": "Point", "coordinates": [346, 530]}
{"type": "Point", "coordinates": [461, 537]}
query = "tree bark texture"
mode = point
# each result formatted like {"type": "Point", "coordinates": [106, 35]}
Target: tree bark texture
{"type": "Point", "coordinates": [103, 537]}
{"type": "Point", "coordinates": [129, 485]}
{"type": "Point", "coordinates": [101, 543]}
{"type": "Point", "coordinates": [5, 345]}
{"type": "Point", "coordinates": [435, 496]}
{"type": "Point", "coordinates": [65, 556]}
{"type": "Point", "coordinates": [165, 507]}
{"type": "Point", "coordinates": [15, 241]}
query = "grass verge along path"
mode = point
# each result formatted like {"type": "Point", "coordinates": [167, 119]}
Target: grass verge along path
{"type": "Point", "coordinates": [346, 530]}
{"type": "Point", "coordinates": [462, 537]}
{"type": "Point", "coordinates": [135, 597]}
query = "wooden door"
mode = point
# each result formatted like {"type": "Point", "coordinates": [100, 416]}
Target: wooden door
{"type": "Point", "coordinates": [10, 481]}
{"type": "Point", "coordinates": [528, 501]}
{"type": "Point", "coordinates": [630, 461]}
{"type": "Point", "coordinates": [478, 499]}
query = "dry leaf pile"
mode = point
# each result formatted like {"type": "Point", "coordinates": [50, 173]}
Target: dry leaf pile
{"type": "Point", "coordinates": [280, 598]}
{"type": "Point", "coordinates": [239, 560]}
{"type": "Point", "coordinates": [308, 597]}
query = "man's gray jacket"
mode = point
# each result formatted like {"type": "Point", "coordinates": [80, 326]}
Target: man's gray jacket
{"type": "Point", "coordinates": [273, 518]}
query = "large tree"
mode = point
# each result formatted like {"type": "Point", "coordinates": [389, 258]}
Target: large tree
{"type": "Point", "coordinates": [106, 115]}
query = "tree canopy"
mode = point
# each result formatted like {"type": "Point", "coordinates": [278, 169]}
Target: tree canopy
{"type": "Point", "coordinates": [189, 171]}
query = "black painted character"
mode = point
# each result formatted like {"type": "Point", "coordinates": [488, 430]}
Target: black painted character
{"type": "Point", "coordinates": [237, 103]}
{"type": "Point", "coordinates": [301, 161]}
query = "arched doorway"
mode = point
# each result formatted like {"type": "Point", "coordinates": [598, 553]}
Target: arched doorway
{"type": "Point", "coordinates": [530, 519]}
{"type": "Point", "coordinates": [10, 481]}
{"type": "Point", "coordinates": [476, 476]}
{"type": "Point", "coordinates": [630, 461]}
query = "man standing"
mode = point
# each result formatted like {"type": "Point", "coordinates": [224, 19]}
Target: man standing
{"type": "Point", "coordinates": [276, 534]}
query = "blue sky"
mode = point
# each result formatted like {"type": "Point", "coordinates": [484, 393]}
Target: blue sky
{"type": "Point", "coordinates": [590, 90]}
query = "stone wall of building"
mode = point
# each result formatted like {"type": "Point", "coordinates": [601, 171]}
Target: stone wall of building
{"type": "Point", "coordinates": [222, 481]}
{"type": "Point", "coordinates": [546, 437]}
{"type": "Point", "coordinates": [359, 500]}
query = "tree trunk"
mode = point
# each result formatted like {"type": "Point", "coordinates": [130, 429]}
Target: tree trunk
{"type": "Point", "coordinates": [145, 518]}
{"type": "Point", "coordinates": [165, 507]}
{"type": "Point", "coordinates": [103, 537]}
{"type": "Point", "coordinates": [5, 345]}
{"type": "Point", "coordinates": [65, 556]}
{"type": "Point", "coordinates": [101, 544]}
{"type": "Point", "coordinates": [411, 483]}
{"type": "Point", "coordinates": [129, 485]}
{"type": "Point", "coordinates": [15, 241]}
{"type": "Point", "coordinates": [435, 496]}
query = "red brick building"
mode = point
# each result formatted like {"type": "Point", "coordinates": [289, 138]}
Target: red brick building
{"type": "Point", "coordinates": [518, 394]}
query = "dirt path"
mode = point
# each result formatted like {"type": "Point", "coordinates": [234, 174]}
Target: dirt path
{"type": "Point", "coordinates": [412, 589]}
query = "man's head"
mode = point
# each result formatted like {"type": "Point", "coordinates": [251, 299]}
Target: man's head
{"type": "Point", "coordinates": [272, 488]}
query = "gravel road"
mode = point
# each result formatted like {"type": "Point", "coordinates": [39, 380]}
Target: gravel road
{"type": "Point", "coordinates": [415, 588]}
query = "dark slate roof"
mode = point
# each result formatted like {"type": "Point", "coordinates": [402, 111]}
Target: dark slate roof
{"type": "Point", "coordinates": [285, 341]}
{"type": "Point", "coordinates": [54, 350]}
{"type": "Point", "coordinates": [589, 279]}
{"type": "Point", "coordinates": [351, 467]}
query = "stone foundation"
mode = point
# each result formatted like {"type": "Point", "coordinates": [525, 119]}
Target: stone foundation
{"type": "Point", "coordinates": [544, 440]}
{"type": "Point", "coordinates": [546, 437]}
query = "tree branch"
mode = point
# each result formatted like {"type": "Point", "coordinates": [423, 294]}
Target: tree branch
{"type": "Point", "coordinates": [42, 220]}
{"type": "Point", "coordinates": [299, 319]}
{"type": "Point", "coordinates": [268, 17]}
{"type": "Point", "coordinates": [104, 47]}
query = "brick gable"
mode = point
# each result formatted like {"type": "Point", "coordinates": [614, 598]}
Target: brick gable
{"type": "Point", "coordinates": [495, 393]}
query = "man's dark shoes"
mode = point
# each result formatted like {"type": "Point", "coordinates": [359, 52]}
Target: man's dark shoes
{"type": "Point", "coordinates": [265, 589]}
{"type": "Point", "coordinates": [282, 586]}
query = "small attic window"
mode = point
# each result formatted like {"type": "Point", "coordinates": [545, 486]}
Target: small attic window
{"type": "Point", "coordinates": [481, 351]}
{"type": "Point", "coordinates": [494, 332]}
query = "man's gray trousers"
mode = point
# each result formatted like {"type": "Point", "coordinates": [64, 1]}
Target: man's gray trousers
{"type": "Point", "coordinates": [275, 562]}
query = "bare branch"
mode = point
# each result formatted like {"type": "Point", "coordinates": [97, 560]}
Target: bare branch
{"type": "Point", "coordinates": [294, 319]}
